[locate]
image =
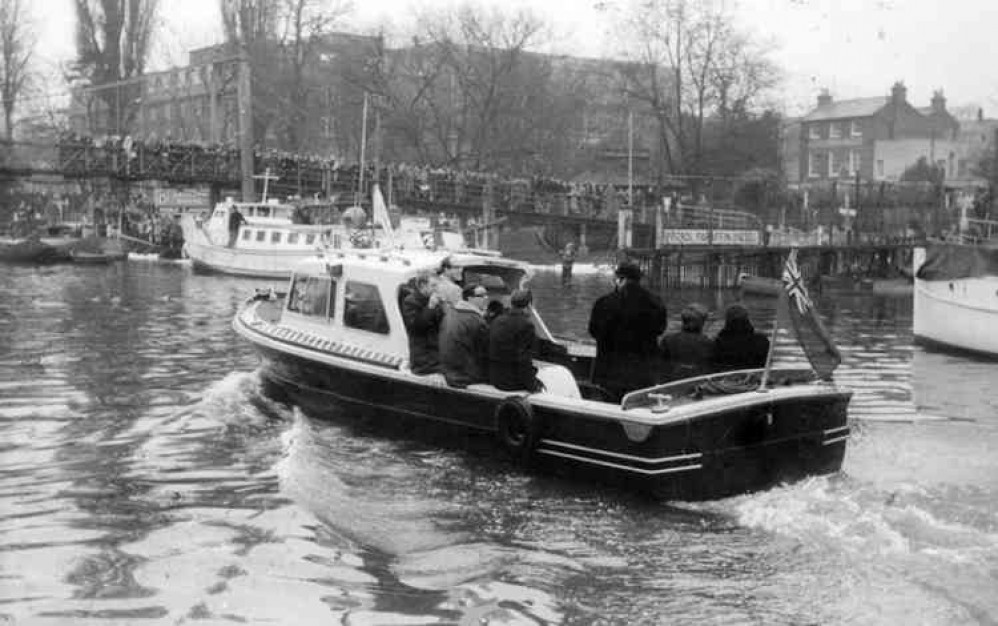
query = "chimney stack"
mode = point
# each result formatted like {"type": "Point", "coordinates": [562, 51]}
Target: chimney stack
{"type": "Point", "coordinates": [938, 101]}
{"type": "Point", "coordinates": [824, 98]}
{"type": "Point", "coordinates": [899, 93]}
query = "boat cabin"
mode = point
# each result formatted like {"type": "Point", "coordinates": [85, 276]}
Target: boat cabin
{"type": "Point", "coordinates": [356, 296]}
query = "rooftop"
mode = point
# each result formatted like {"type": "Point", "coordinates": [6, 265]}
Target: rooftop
{"type": "Point", "coordinates": [844, 109]}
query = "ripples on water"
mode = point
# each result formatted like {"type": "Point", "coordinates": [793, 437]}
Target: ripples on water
{"type": "Point", "coordinates": [145, 479]}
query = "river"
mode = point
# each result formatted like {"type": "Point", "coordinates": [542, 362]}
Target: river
{"type": "Point", "coordinates": [144, 479]}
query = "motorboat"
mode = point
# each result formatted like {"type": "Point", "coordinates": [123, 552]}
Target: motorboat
{"type": "Point", "coordinates": [270, 240]}
{"type": "Point", "coordinates": [956, 297]}
{"type": "Point", "coordinates": [336, 338]}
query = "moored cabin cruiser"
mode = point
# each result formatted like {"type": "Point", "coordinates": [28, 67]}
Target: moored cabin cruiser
{"type": "Point", "coordinates": [268, 239]}
{"type": "Point", "coordinates": [956, 296]}
{"type": "Point", "coordinates": [337, 339]}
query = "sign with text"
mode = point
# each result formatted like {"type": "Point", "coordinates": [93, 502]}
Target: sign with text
{"type": "Point", "coordinates": [703, 237]}
{"type": "Point", "coordinates": [189, 197]}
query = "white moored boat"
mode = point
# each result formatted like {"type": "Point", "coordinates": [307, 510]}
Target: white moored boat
{"type": "Point", "coordinates": [956, 297]}
{"type": "Point", "coordinates": [269, 244]}
{"type": "Point", "coordinates": [338, 340]}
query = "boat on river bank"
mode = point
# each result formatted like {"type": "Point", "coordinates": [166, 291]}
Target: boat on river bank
{"type": "Point", "coordinates": [956, 297]}
{"type": "Point", "coordinates": [337, 338]}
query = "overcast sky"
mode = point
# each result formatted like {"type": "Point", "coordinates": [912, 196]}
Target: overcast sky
{"type": "Point", "coordinates": [856, 48]}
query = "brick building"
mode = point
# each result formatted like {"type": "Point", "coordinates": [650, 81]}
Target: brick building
{"type": "Point", "coordinates": [876, 138]}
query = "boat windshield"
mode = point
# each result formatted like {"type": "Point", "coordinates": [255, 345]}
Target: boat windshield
{"type": "Point", "coordinates": [950, 262]}
{"type": "Point", "coordinates": [497, 279]}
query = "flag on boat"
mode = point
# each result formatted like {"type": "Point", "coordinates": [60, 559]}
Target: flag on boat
{"type": "Point", "coordinates": [798, 309]}
{"type": "Point", "coordinates": [381, 215]}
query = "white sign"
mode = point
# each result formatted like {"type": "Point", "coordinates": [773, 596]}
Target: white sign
{"type": "Point", "coordinates": [187, 197]}
{"type": "Point", "coordinates": [848, 212]}
{"type": "Point", "coordinates": [702, 237]}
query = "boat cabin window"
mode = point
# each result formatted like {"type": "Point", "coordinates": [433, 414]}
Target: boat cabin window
{"type": "Point", "coordinates": [261, 235]}
{"type": "Point", "coordinates": [364, 309]}
{"type": "Point", "coordinates": [312, 295]}
{"type": "Point", "coordinates": [275, 237]}
{"type": "Point", "coordinates": [247, 233]}
{"type": "Point", "coordinates": [498, 280]}
{"type": "Point", "coordinates": [263, 211]}
{"type": "Point", "coordinates": [292, 238]}
{"type": "Point", "coordinates": [309, 239]}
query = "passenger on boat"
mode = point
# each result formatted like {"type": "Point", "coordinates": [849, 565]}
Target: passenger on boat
{"type": "Point", "coordinates": [236, 220]}
{"type": "Point", "coordinates": [688, 352]}
{"type": "Point", "coordinates": [738, 345]}
{"type": "Point", "coordinates": [513, 346]}
{"type": "Point", "coordinates": [493, 311]}
{"type": "Point", "coordinates": [464, 339]}
{"type": "Point", "coordinates": [626, 324]}
{"type": "Point", "coordinates": [422, 313]}
{"type": "Point", "coordinates": [448, 283]}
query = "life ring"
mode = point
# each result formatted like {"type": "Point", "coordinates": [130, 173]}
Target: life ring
{"type": "Point", "coordinates": [517, 427]}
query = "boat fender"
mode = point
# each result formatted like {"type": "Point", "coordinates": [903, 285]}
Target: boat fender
{"type": "Point", "coordinates": [517, 427]}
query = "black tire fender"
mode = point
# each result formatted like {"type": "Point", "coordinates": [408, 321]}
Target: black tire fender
{"type": "Point", "coordinates": [517, 427]}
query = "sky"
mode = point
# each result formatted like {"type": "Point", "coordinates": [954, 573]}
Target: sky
{"type": "Point", "coordinates": [854, 48]}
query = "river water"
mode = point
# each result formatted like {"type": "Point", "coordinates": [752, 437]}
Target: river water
{"type": "Point", "coordinates": [144, 479]}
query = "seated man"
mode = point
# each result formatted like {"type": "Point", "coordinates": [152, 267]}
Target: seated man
{"type": "Point", "coordinates": [464, 338]}
{"type": "Point", "coordinates": [689, 352]}
{"type": "Point", "coordinates": [512, 347]}
{"type": "Point", "coordinates": [738, 345]}
{"type": "Point", "coordinates": [422, 313]}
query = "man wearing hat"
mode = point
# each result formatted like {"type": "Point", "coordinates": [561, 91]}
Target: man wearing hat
{"type": "Point", "coordinates": [626, 324]}
{"type": "Point", "coordinates": [513, 345]}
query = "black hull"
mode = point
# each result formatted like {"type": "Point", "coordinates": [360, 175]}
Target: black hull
{"type": "Point", "coordinates": [721, 454]}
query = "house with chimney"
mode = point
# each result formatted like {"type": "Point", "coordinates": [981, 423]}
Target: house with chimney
{"type": "Point", "coordinates": [872, 138]}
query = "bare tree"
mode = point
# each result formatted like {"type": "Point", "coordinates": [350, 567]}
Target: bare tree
{"type": "Point", "coordinates": [487, 100]}
{"type": "Point", "coordinates": [689, 65]}
{"type": "Point", "coordinates": [112, 45]}
{"type": "Point", "coordinates": [282, 39]}
{"type": "Point", "coordinates": [17, 43]}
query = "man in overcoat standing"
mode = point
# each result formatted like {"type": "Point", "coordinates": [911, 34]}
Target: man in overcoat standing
{"type": "Point", "coordinates": [626, 324]}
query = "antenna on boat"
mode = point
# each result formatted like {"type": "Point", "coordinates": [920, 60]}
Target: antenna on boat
{"type": "Point", "coordinates": [267, 177]}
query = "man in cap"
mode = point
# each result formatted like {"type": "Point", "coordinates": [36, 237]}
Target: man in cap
{"type": "Point", "coordinates": [688, 352]}
{"type": "Point", "coordinates": [513, 346]}
{"type": "Point", "coordinates": [626, 324]}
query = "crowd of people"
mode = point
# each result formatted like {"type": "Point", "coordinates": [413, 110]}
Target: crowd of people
{"type": "Point", "coordinates": [455, 330]}
{"type": "Point", "coordinates": [303, 174]}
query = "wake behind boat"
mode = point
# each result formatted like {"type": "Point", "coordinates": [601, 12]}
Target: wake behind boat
{"type": "Point", "coordinates": [338, 338]}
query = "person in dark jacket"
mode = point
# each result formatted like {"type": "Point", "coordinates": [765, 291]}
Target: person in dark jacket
{"type": "Point", "coordinates": [422, 313]}
{"type": "Point", "coordinates": [513, 346]}
{"type": "Point", "coordinates": [739, 346]}
{"type": "Point", "coordinates": [236, 220]}
{"type": "Point", "coordinates": [689, 352]}
{"type": "Point", "coordinates": [464, 339]}
{"type": "Point", "coordinates": [626, 325]}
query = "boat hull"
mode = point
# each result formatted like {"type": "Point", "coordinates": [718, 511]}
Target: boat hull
{"type": "Point", "coordinates": [958, 315]}
{"type": "Point", "coordinates": [745, 443]}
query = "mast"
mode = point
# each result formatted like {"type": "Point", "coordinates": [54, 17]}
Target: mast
{"type": "Point", "coordinates": [363, 150]}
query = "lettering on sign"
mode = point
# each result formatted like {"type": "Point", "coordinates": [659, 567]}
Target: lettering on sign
{"type": "Point", "coordinates": [181, 197]}
{"type": "Point", "coordinates": [702, 237]}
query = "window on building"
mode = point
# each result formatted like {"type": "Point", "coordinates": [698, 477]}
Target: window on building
{"type": "Point", "coordinates": [880, 168]}
{"type": "Point", "coordinates": [261, 235]}
{"type": "Point", "coordinates": [835, 130]}
{"type": "Point", "coordinates": [855, 130]}
{"type": "Point", "coordinates": [311, 295]}
{"type": "Point", "coordinates": [814, 131]}
{"type": "Point", "coordinates": [246, 234]}
{"type": "Point", "coordinates": [363, 308]}
{"type": "Point", "coordinates": [855, 161]}
{"type": "Point", "coordinates": [275, 237]}
{"type": "Point", "coordinates": [834, 164]}
{"type": "Point", "coordinates": [813, 164]}
{"type": "Point", "coordinates": [961, 168]}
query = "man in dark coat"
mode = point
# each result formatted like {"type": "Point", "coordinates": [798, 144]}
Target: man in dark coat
{"type": "Point", "coordinates": [464, 339]}
{"type": "Point", "coordinates": [422, 313]}
{"type": "Point", "coordinates": [626, 325]}
{"type": "Point", "coordinates": [236, 220]}
{"type": "Point", "coordinates": [689, 352]}
{"type": "Point", "coordinates": [738, 346]}
{"type": "Point", "coordinates": [513, 346]}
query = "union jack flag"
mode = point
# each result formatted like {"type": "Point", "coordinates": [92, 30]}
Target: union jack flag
{"type": "Point", "coordinates": [803, 319]}
{"type": "Point", "coordinates": [794, 283]}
